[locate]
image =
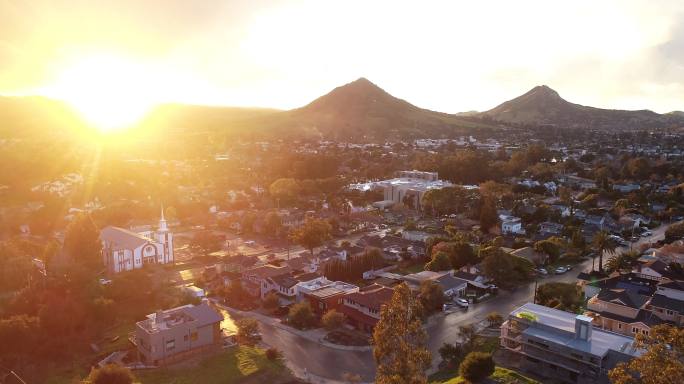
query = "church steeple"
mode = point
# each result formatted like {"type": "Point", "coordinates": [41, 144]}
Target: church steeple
{"type": "Point", "coordinates": [162, 222]}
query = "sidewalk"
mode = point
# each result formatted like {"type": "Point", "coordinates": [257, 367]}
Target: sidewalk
{"type": "Point", "coordinates": [315, 335]}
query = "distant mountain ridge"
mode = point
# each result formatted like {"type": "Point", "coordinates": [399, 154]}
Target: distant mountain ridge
{"type": "Point", "coordinates": [544, 106]}
{"type": "Point", "coordinates": [358, 111]}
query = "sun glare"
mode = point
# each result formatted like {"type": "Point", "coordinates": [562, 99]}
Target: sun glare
{"type": "Point", "coordinates": [110, 92]}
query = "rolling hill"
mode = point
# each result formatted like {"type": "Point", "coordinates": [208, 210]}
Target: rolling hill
{"type": "Point", "coordinates": [363, 111]}
{"type": "Point", "coordinates": [544, 106]}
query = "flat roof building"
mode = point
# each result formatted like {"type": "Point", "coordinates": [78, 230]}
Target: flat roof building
{"type": "Point", "coordinates": [171, 335]}
{"type": "Point", "coordinates": [562, 345]}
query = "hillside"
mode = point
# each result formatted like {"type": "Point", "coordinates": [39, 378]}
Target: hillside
{"type": "Point", "coordinates": [363, 111]}
{"type": "Point", "coordinates": [544, 106]}
{"type": "Point", "coordinates": [36, 116]}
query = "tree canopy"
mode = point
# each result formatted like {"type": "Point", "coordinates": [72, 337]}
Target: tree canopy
{"type": "Point", "coordinates": [400, 349]}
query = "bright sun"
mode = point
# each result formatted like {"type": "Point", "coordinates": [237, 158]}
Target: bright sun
{"type": "Point", "coordinates": [110, 92]}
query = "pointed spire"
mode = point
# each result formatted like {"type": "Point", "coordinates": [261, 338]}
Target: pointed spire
{"type": "Point", "coordinates": [162, 221]}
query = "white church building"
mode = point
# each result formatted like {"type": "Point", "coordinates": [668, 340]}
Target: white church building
{"type": "Point", "coordinates": [125, 250]}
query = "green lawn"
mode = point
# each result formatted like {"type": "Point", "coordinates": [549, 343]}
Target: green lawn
{"type": "Point", "coordinates": [232, 366]}
{"type": "Point", "coordinates": [500, 376]}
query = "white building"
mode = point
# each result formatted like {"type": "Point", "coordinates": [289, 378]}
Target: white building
{"type": "Point", "coordinates": [511, 225]}
{"type": "Point", "coordinates": [413, 184]}
{"type": "Point", "coordinates": [124, 250]}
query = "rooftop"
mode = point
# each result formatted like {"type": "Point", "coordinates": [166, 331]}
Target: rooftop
{"type": "Point", "coordinates": [201, 315]}
{"type": "Point", "coordinates": [120, 238]}
{"type": "Point", "coordinates": [558, 327]}
{"type": "Point", "coordinates": [336, 288]}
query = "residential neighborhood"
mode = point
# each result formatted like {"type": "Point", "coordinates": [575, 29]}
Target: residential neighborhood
{"type": "Point", "coordinates": [241, 192]}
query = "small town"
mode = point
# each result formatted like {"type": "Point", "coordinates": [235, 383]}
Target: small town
{"type": "Point", "coordinates": [355, 239]}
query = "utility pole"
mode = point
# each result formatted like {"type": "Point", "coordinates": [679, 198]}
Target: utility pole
{"type": "Point", "coordinates": [534, 300]}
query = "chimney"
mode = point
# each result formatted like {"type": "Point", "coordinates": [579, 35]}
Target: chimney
{"type": "Point", "coordinates": [583, 327]}
{"type": "Point", "coordinates": [159, 317]}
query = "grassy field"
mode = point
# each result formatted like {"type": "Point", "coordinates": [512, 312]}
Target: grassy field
{"type": "Point", "coordinates": [239, 365]}
{"type": "Point", "coordinates": [500, 376]}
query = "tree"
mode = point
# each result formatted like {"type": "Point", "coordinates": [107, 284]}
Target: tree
{"type": "Point", "coordinates": [452, 354]}
{"type": "Point", "coordinates": [563, 296]}
{"type": "Point", "coordinates": [495, 319]}
{"type": "Point", "coordinates": [621, 262]}
{"type": "Point", "coordinates": [476, 367]}
{"type": "Point", "coordinates": [312, 234]}
{"type": "Point", "coordinates": [440, 262]}
{"type": "Point", "coordinates": [332, 320]}
{"type": "Point", "coordinates": [603, 244]}
{"type": "Point", "coordinates": [206, 241]}
{"type": "Point", "coordinates": [400, 349]}
{"type": "Point", "coordinates": [271, 301]}
{"type": "Point", "coordinates": [273, 224]}
{"type": "Point", "coordinates": [548, 247]}
{"type": "Point", "coordinates": [110, 374]}
{"type": "Point", "coordinates": [19, 335]}
{"type": "Point", "coordinates": [300, 315]}
{"type": "Point", "coordinates": [662, 363]}
{"type": "Point", "coordinates": [247, 329]}
{"type": "Point", "coordinates": [431, 296]}
{"type": "Point", "coordinates": [467, 335]}
{"type": "Point", "coordinates": [498, 265]}
{"type": "Point", "coordinates": [236, 294]}
{"type": "Point", "coordinates": [273, 354]}
{"type": "Point", "coordinates": [285, 190]}
{"type": "Point", "coordinates": [578, 241]}
{"type": "Point", "coordinates": [82, 242]}
{"type": "Point", "coordinates": [488, 215]}
{"type": "Point", "coordinates": [674, 232]}
{"type": "Point", "coordinates": [459, 251]}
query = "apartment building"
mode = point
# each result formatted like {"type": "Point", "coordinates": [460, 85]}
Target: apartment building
{"type": "Point", "coordinates": [563, 346]}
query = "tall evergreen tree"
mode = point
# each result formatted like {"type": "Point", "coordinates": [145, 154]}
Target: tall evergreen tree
{"type": "Point", "coordinates": [399, 339]}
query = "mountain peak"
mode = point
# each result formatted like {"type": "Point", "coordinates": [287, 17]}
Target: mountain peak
{"type": "Point", "coordinates": [543, 106]}
{"type": "Point", "coordinates": [543, 91]}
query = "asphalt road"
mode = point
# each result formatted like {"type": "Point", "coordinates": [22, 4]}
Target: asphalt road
{"type": "Point", "coordinates": [333, 363]}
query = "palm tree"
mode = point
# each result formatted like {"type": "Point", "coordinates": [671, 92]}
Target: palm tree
{"type": "Point", "coordinates": [603, 243]}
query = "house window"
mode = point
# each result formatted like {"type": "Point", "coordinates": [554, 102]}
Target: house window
{"type": "Point", "coordinates": [171, 344]}
{"type": "Point", "coordinates": [193, 336]}
{"type": "Point", "coordinates": [670, 312]}
{"type": "Point", "coordinates": [619, 325]}
{"type": "Point", "coordinates": [635, 330]}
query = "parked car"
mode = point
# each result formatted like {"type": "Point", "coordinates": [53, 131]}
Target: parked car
{"type": "Point", "coordinates": [561, 270]}
{"type": "Point", "coordinates": [463, 303]}
{"type": "Point", "coordinates": [646, 234]}
{"type": "Point", "coordinates": [542, 271]}
{"type": "Point", "coordinates": [634, 238]}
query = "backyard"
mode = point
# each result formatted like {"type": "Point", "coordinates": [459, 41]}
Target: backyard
{"type": "Point", "coordinates": [240, 365]}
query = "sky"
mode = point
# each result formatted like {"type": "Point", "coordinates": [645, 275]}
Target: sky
{"type": "Point", "coordinates": [449, 56]}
